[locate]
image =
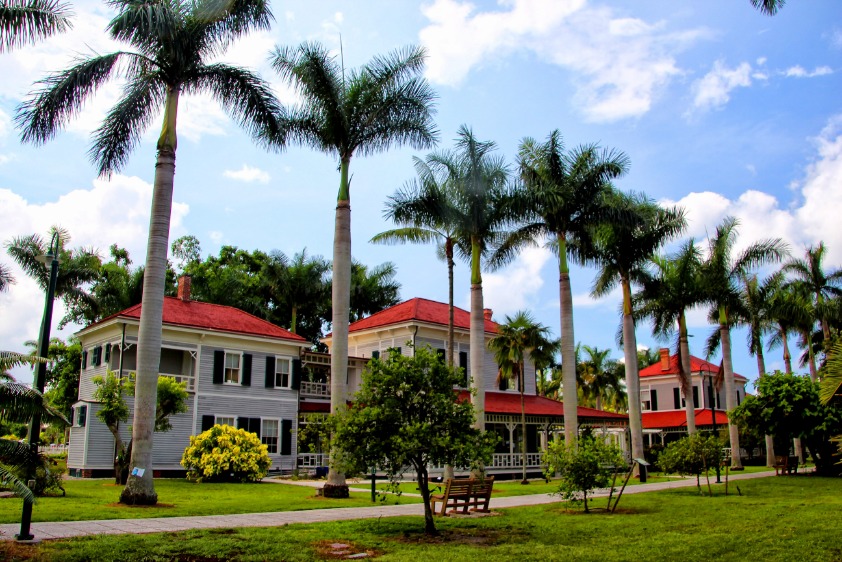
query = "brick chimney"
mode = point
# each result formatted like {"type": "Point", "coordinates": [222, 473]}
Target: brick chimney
{"type": "Point", "coordinates": [665, 359]}
{"type": "Point", "coordinates": [184, 287]}
{"type": "Point", "coordinates": [486, 313]}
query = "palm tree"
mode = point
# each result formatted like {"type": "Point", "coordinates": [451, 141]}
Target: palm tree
{"type": "Point", "coordinates": [386, 103]}
{"type": "Point", "coordinates": [722, 272]}
{"type": "Point", "coordinates": [665, 295]}
{"type": "Point", "coordinates": [787, 312]}
{"type": "Point", "coordinates": [515, 339]}
{"type": "Point", "coordinates": [544, 358]}
{"type": "Point", "coordinates": [810, 274]}
{"type": "Point", "coordinates": [77, 267]}
{"type": "Point", "coordinates": [768, 7]}
{"type": "Point", "coordinates": [24, 22]}
{"type": "Point", "coordinates": [6, 278]}
{"type": "Point", "coordinates": [599, 377]}
{"type": "Point", "coordinates": [372, 289]}
{"type": "Point", "coordinates": [424, 212]}
{"type": "Point", "coordinates": [620, 248]}
{"type": "Point", "coordinates": [172, 42]}
{"type": "Point", "coordinates": [562, 197]}
{"type": "Point", "coordinates": [476, 180]}
{"type": "Point", "coordinates": [298, 286]}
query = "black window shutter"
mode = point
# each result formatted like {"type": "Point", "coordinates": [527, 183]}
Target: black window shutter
{"type": "Point", "coordinates": [254, 425]}
{"type": "Point", "coordinates": [286, 437]}
{"type": "Point", "coordinates": [695, 396]}
{"type": "Point", "coordinates": [654, 397]}
{"type": "Point", "coordinates": [84, 359]}
{"type": "Point", "coordinates": [218, 366]}
{"type": "Point", "coordinates": [83, 416]}
{"type": "Point", "coordinates": [107, 352]}
{"type": "Point", "coordinates": [270, 372]}
{"type": "Point", "coordinates": [504, 383]}
{"type": "Point", "coordinates": [738, 398]}
{"type": "Point", "coordinates": [207, 423]}
{"type": "Point", "coordinates": [442, 354]}
{"type": "Point", "coordinates": [243, 423]}
{"type": "Point", "coordinates": [676, 398]}
{"type": "Point", "coordinates": [296, 374]}
{"type": "Point", "coordinates": [246, 378]}
{"type": "Point", "coordinates": [375, 354]}
{"type": "Point", "coordinates": [463, 364]}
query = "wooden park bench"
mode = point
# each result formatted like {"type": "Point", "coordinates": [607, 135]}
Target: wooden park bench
{"type": "Point", "coordinates": [785, 465]}
{"type": "Point", "coordinates": [464, 493]}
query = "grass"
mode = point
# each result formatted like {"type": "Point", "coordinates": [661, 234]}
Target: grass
{"type": "Point", "coordinates": [774, 519]}
{"type": "Point", "coordinates": [96, 499]}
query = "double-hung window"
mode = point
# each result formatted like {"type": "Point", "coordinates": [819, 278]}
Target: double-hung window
{"type": "Point", "coordinates": [269, 435]}
{"type": "Point", "coordinates": [283, 372]}
{"type": "Point", "coordinates": [645, 401]}
{"type": "Point", "coordinates": [226, 420]}
{"type": "Point", "coordinates": [232, 368]}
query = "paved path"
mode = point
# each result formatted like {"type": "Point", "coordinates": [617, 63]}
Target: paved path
{"type": "Point", "coordinates": [67, 529]}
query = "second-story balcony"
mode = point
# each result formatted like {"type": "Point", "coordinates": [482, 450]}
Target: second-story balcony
{"type": "Point", "coordinates": [315, 389]}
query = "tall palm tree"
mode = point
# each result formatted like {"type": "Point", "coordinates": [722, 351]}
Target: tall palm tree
{"type": "Point", "coordinates": [601, 380]}
{"type": "Point", "coordinates": [620, 248]}
{"type": "Point", "coordinates": [6, 278]}
{"type": "Point", "coordinates": [424, 212]}
{"type": "Point", "coordinates": [562, 197]}
{"type": "Point", "coordinates": [385, 103]}
{"type": "Point", "coordinates": [824, 286]}
{"type": "Point", "coordinates": [666, 293]}
{"type": "Point", "coordinates": [23, 22]}
{"type": "Point", "coordinates": [515, 339]}
{"type": "Point", "coordinates": [787, 312]}
{"type": "Point", "coordinates": [476, 179]}
{"type": "Point", "coordinates": [372, 289]}
{"type": "Point", "coordinates": [721, 272]}
{"type": "Point", "coordinates": [545, 359]}
{"type": "Point", "coordinates": [172, 41]}
{"type": "Point", "coordinates": [298, 285]}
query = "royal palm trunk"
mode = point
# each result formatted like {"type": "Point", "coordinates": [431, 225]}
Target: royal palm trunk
{"type": "Point", "coordinates": [477, 339]}
{"type": "Point", "coordinates": [448, 249]}
{"type": "Point", "coordinates": [141, 489]}
{"type": "Point", "coordinates": [770, 442]}
{"type": "Point", "coordinates": [568, 346]}
{"type": "Point", "coordinates": [787, 354]}
{"type": "Point", "coordinates": [521, 380]}
{"type": "Point", "coordinates": [686, 375]}
{"type": "Point", "coordinates": [632, 374]}
{"type": "Point", "coordinates": [730, 390]}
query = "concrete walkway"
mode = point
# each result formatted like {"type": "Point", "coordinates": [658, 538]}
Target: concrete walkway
{"type": "Point", "coordinates": [66, 529]}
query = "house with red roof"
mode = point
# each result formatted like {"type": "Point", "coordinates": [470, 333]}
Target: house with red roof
{"type": "Point", "coordinates": [421, 322]}
{"type": "Point", "coordinates": [238, 370]}
{"type": "Point", "coordinates": [663, 403]}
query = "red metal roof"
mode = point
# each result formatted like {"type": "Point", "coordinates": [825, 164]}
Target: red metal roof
{"type": "Point", "coordinates": [421, 310]}
{"type": "Point", "coordinates": [216, 317]}
{"type": "Point", "coordinates": [664, 420]}
{"type": "Point", "coordinates": [509, 403]}
{"type": "Point", "coordinates": [696, 365]}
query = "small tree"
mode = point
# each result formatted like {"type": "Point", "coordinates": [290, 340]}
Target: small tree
{"type": "Point", "coordinates": [406, 415]}
{"type": "Point", "coordinates": [692, 455]}
{"type": "Point", "coordinates": [582, 468]}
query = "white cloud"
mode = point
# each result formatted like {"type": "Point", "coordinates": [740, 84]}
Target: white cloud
{"type": "Point", "coordinates": [115, 211]}
{"type": "Point", "coordinates": [215, 236]}
{"type": "Point", "coordinates": [248, 174]}
{"type": "Point", "coordinates": [714, 89]}
{"type": "Point", "coordinates": [798, 71]}
{"type": "Point", "coordinates": [338, 17]}
{"type": "Point", "coordinates": [514, 288]}
{"type": "Point", "coordinates": [611, 301]}
{"type": "Point", "coordinates": [620, 64]}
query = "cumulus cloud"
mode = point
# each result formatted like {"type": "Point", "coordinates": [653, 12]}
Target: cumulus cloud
{"type": "Point", "coordinates": [798, 71]}
{"type": "Point", "coordinates": [620, 64]}
{"type": "Point", "coordinates": [115, 211]}
{"type": "Point", "coordinates": [515, 287]}
{"type": "Point", "coordinates": [714, 88]}
{"type": "Point", "coordinates": [248, 174]}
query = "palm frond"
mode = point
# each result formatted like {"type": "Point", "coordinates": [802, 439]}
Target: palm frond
{"type": "Point", "coordinates": [224, 21]}
{"type": "Point", "coordinates": [19, 403]}
{"type": "Point", "coordinates": [831, 374]}
{"type": "Point", "coordinates": [768, 7]}
{"type": "Point", "coordinates": [411, 234]}
{"type": "Point", "coordinates": [24, 22]}
{"type": "Point", "coordinates": [9, 480]}
{"type": "Point", "coordinates": [146, 25]}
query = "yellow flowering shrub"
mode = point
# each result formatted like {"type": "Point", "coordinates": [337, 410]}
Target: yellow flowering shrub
{"type": "Point", "coordinates": [225, 454]}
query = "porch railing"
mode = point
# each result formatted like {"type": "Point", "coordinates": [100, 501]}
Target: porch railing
{"type": "Point", "coordinates": [317, 389]}
{"type": "Point", "coordinates": [53, 449]}
{"type": "Point", "coordinates": [189, 379]}
{"type": "Point", "coordinates": [515, 460]}
{"type": "Point", "coordinates": [312, 460]}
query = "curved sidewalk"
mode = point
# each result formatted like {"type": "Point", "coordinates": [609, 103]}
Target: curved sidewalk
{"type": "Point", "coordinates": [66, 529]}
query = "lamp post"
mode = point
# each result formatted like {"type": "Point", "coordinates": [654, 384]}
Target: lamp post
{"type": "Point", "coordinates": [712, 396]}
{"type": "Point", "coordinates": [50, 259]}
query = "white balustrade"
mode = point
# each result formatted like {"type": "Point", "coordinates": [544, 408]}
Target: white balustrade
{"type": "Point", "coordinates": [312, 460]}
{"type": "Point", "coordinates": [318, 389]}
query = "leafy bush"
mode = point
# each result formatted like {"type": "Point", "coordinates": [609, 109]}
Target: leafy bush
{"type": "Point", "coordinates": [692, 455]}
{"type": "Point", "coordinates": [225, 454]}
{"type": "Point", "coordinates": [583, 468]}
{"type": "Point", "coordinates": [48, 476]}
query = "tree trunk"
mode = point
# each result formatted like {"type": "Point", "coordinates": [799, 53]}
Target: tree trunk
{"type": "Point", "coordinates": [770, 451]}
{"type": "Point", "coordinates": [118, 452]}
{"type": "Point", "coordinates": [341, 297]}
{"type": "Point", "coordinates": [686, 374]}
{"type": "Point", "coordinates": [787, 355]}
{"type": "Point", "coordinates": [140, 490]}
{"type": "Point", "coordinates": [477, 338]}
{"type": "Point", "coordinates": [811, 360]}
{"type": "Point", "coordinates": [294, 320]}
{"type": "Point", "coordinates": [761, 362]}
{"type": "Point", "coordinates": [523, 423]}
{"type": "Point", "coordinates": [448, 248]}
{"type": "Point", "coordinates": [730, 390]}
{"type": "Point", "coordinates": [568, 345]}
{"type": "Point", "coordinates": [424, 487]}
{"type": "Point", "coordinates": [632, 375]}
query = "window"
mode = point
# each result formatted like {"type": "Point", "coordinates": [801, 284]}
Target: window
{"type": "Point", "coordinates": [283, 372]}
{"type": "Point", "coordinates": [81, 416]}
{"type": "Point", "coordinates": [232, 368]}
{"type": "Point", "coordinates": [269, 435]}
{"type": "Point", "coordinates": [645, 401]}
{"type": "Point", "coordinates": [226, 420]}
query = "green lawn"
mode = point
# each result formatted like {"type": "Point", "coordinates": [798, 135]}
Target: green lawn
{"type": "Point", "coordinates": [774, 519]}
{"type": "Point", "coordinates": [96, 499]}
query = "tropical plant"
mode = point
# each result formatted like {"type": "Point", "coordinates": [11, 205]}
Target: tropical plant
{"type": "Point", "coordinates": [299, 289]}
{"type": "Point", "coordinates": [424, 212]}
{"type": "Point", "coordinates": [386, 103]}
{"type": "Point", "coordinates": [23, 22]}
{"type": "Point", "coordinates": [768, 7]}
{"type": "Point", "coordinates": [691, 456]}
{"type": "Point", "coordinates": [6, 278]}
{"type": "Point", "coordinates": [582, 466]}
{"type": "Point", "coordinates": [790, 310]}
{"type": "Point", "coordinates": [562, 197]}
{"type": "Point", "coordinates": [810, 275]}
{"type": "Point", "coordinates": [599, 376]}
{"type": "Point", "coordinates": [226, 454]}
{"type": "Point", "coordinates": [372, 289]}
{"type": "Point", "coordinates": [172, 41]}
{"type": "Point", "coordinates": [667, 291]}
{"type": "Point", "coordinates": [515, 339]}
{"type": "Point", "coordinates": [722, 271]}
{"type": "Point", "coordinates": [620, 249]}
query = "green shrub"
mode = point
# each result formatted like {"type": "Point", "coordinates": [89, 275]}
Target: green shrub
{"type": "Point", "coordinates": [48, 476]}
{"type": "Point", "coordinates": [583, 467]}
{"type": "Point", "coordinates": [691, 455]}
{"type": "Point", "coordinates": [225, 454]}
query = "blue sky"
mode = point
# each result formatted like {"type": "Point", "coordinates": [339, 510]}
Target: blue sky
{"type": "Point", "coordinates": [720, 108]}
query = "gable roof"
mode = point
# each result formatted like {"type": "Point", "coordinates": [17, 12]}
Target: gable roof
{"type": "Point", "coordinates": [419, 310]}
{"type": "Point", "coordinates": [212, 317]}
{"type": "Point", "coordinates": [509, 403]}
{"type": "Point", "coordinates": [678, 418]}
{"type": "Point", "coordinates": [696, 365]}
